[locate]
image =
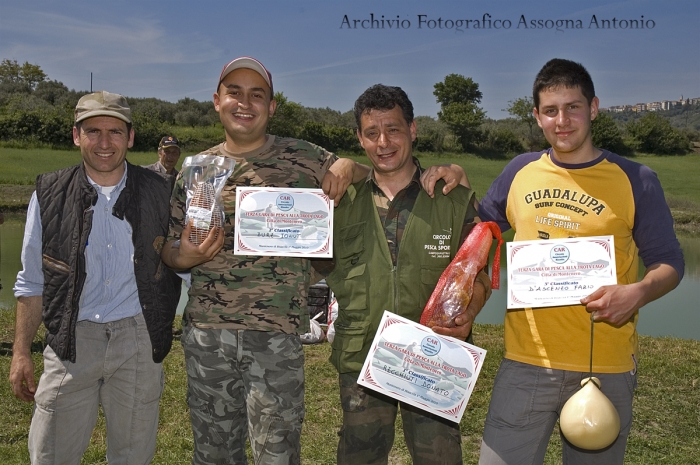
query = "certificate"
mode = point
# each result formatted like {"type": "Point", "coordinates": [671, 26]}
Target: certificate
{"type": "Point", "coordinates": [556, 272]}
{"type": "Point", "coordinates": [284, 222]}
{"type": "Point", "coordinates": [411, 363]}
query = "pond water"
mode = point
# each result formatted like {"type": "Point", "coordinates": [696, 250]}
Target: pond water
{"type": "Point", "coordinates": [675, 314]}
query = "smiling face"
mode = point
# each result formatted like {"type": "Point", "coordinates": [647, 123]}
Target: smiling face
{"type": "Point", "coordinates": [103, 142]}
{"type": "Point", "coordinates": [387, 139]}
{"type": "Point", "coordinates": [565, 116]}
{"type": "Point", "coordinates": [245, 105]}
{"type": "Point", "coordinates": [168, 157]}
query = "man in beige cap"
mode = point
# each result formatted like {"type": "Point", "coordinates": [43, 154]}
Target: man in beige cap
{"type": "Point", "coordinates": [245, 361]}
{"type": "Point", "coordinates": [92, 273]}
{"type": "Point", "coordinates": [168, 155]}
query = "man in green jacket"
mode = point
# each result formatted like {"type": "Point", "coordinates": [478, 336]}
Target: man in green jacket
{"type": "Point", "coordinates": [385, 228]}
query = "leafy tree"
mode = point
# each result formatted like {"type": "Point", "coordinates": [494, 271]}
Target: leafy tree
{"type": "Point", "coordinates": [26, 74]}
{"type": "Point", "coordinates": [187, 118]}
{"type": "Point", "coordinates": [52, 92]}
{"type": "Point", "coordinates": [330, 117]}
{"type": "Point", "coordinates": [333, 138]}
{"type": "Point", "coordinates": [654, 134]}
{"type": "Point", "coordinates": [464, 120]}
{"type": "Point", "coordinates": [56, 127]}
{"type": "Point", "coordinates": [457, 89]}
{"type": "Point", "coordinates": [430, 134]}
{"type": "Point", "coordinates": [148, 130]}
{"type": "Point", "coordinates": [26, 103]}
{"type": "Point", "coordinates": [607, 135]}
{"type": "Point", "coordinates": [500, 142]}
{"type": "Point", "coordinates": [164, 110]}
{"type": "Point", "coordinates": [522, 108]}
{"type": "Point", "coordinates": [458, 98]}
{"type": "Point", "coordinates": [288, 119]}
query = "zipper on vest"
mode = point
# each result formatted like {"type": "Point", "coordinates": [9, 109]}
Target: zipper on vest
{"type": "Point", "coordinates": [396, 287]}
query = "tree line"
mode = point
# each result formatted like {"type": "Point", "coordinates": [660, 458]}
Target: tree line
{"type": "Point", "coordinates": [35, 110]}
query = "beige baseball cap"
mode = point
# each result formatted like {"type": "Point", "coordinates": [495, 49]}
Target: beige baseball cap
{"type": "Point", "coordinates": [250, 63]}
{"type": "Point", "coordinates": [102, 103]}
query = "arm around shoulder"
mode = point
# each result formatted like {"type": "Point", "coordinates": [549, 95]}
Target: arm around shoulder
{"type": "Point", "coordinates": [340, 175]}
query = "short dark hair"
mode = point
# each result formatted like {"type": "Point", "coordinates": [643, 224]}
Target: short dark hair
{"type": "Point", "coordinates": [381, 97]}
{"type": "Point", "coordinates": [562, 73]}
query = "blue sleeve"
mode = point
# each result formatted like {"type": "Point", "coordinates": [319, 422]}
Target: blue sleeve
{"type": "Point", "coordinates": [653, 224]}
{"type": "Point", "coordinates": [30, 280]}
{"type": "Point", "coordinates": [493, 206]}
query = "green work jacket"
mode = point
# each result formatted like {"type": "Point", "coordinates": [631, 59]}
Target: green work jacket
{"type": "Point", "coordinates": [366, 282]}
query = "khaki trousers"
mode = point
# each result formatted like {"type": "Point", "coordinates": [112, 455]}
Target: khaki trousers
{"type": "Point", "coordinates": [113, 368]}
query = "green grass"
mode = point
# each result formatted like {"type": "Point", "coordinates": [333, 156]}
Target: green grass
{"type": "Point", "coordinates": [21, 166]}
{"type": "Point", "coordinates": [666, 428]}
{"type": "Point", "coordinates": [677, 174]}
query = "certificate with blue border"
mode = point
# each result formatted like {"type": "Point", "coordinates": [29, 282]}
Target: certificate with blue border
{"type": "Point", "coordinates": [411, 363]}
{"type": "Point", "coordinates": [283, 222]}
{"type": "Point", "coordinates": [558, 272]}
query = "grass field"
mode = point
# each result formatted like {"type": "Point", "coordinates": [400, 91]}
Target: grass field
{"type": "Point", "coordinates": [666, 429]}
{"type": "Point", "coordinates": [677, 173]}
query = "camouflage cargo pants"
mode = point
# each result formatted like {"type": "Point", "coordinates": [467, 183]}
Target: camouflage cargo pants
{"type": "Point", "coordinates": [367, 434]}
{"type": "Point", "coordinates": [243, 383]}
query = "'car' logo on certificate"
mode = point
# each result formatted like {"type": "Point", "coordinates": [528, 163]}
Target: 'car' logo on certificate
{"type": "Point", "coordinates": [411, 363]}
{"type": "Point", "coordinates": [284, 222]}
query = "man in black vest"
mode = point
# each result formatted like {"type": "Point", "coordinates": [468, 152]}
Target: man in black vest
{"type": "Point", "coordinates": [92, 273]}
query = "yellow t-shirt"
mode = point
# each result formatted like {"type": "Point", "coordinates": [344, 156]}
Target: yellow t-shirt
{"type": "Point", "coordinates": [542, 199]}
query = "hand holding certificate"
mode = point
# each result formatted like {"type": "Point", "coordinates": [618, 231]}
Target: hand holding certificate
{"type": "Point", "coordinates": [285, 222]}
{"type": "Point", "coordinates": [409, 362]}
{"type": "Point", "coordinates": [558, 272]}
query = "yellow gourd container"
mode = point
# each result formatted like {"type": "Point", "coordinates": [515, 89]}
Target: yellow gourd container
{"type": "Point", "coordinates": [589, 420]}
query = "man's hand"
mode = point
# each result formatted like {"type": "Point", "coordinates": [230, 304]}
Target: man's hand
{"type": "Point", "coordinates": [22, 379]}
{"type": "Point", "coordinates": [188, 254]}
{"type": "Point", "coordinates": [340, 175]}
{"type": "Point", "coordinates": [451, 174]}
{"type": "Point", "coordinates": [27, 321]}
{"type": "Point", "coordinates": [617, 304]}
{"type": "Point", "coordinates": [465, 319]}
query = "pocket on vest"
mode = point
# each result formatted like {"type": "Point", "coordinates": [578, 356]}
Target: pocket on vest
{"type": "Point", "coordinates": [55, 265]}
{"type": "Point", "coordinates": [348, 354]}
{"type": "Point", "coordinates": [350, 241]}
{"type": "Point", "coordinates": [355, 284]}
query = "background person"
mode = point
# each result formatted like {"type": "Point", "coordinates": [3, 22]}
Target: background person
{"type": "Point", "coordinates": [168, 156]}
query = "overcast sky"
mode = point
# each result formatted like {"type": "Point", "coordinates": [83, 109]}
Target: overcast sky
{"type": "Point", "coordinates": [321, 56]}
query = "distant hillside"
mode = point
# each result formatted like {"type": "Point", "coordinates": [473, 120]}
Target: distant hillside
{"type": "Point", "coordinates": [685, 117]}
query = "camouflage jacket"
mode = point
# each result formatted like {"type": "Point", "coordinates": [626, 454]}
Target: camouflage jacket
{"type": "Point", "coordinates": [253, 292]}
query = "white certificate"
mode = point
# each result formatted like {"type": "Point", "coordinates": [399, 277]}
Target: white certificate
{"type": "Point", "coordinates": [409, 362]}
{"type": "Point", "coordinates": [285, 222]}
{"type": "Point", "coordinates": [556, 272]}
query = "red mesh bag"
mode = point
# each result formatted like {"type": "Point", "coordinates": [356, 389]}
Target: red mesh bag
{"type": "Point", "coordinates": [456, 284]}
